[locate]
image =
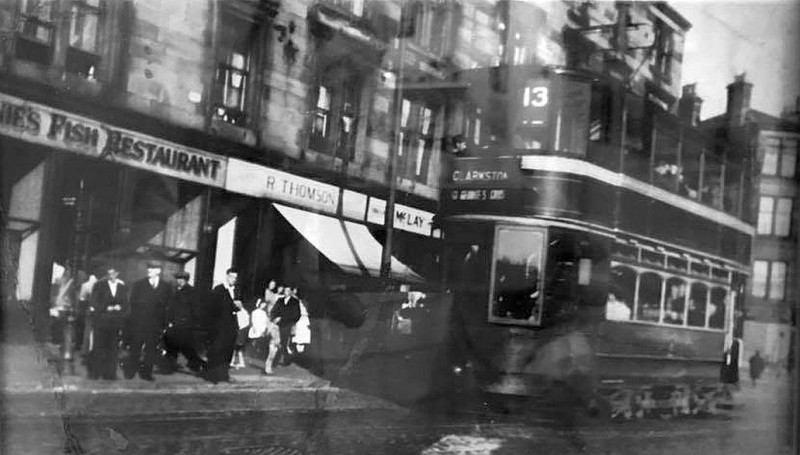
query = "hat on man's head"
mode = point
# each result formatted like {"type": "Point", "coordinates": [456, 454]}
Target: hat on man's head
{"type": "Point", "coordinates": [181, 275]}
{"type": "Point", "coordinates": [153, 265]}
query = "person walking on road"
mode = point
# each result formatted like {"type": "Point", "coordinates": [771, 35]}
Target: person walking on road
{"type": "Point", "coordinates": [182, 320]}
{"type": "Point", "coordinates": [108, 308]}
{"type": "Point", "coordinates": [756, 367]}
{"type": "Point", "coordinates": [286, 313]}
{"type": "Point", "coordinates": [223, 328]}
{"type": "Point", "coordinates": [148, 300]}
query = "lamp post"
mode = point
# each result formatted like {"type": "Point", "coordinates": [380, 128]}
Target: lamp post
{"type": "Point", "coordinates": [405, 29]}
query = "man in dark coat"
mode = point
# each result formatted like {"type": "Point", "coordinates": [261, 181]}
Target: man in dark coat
{"type": "Point", "coordinates": [108, 306]}
{"type": "Point", "coordinates": [182, 321]}
{"type": "Point", "coordinates": [756, 367]}
{"type": "Point", "coordinates": [286, 313]}
{"type": "Point", "coordinates": [224, 302]}
{"type": "Point", "coordinates": [148, 300]}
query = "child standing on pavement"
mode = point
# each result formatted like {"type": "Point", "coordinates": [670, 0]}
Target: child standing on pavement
{"type": "Point", "coordinates": [243, 320]}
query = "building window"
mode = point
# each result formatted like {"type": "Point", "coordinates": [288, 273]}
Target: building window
{"type": "Point", "coordinates": [780, 156]}
{"type": "Point", "coordinates": [416, 139]}
{"type": "Point", "coordinates": [760, 271]}
{"type": "Point", "coordinates": [334, 122]}
{"type": "Point", "coordinates": [769, 280]}
{"type": "Point", "coordinates": [83, 53]}
{"type": "Point", "coordinates": [774, 218]}
{"type": "Point", "coordinates": [35, 31]}
{"type": "Point", "coordinates": [665, 48]}
{"type": "Point", "coordinates": [431, 28]}
{"type": "Point", "coordinates": [766, 207]}
{"type": "Point", "coordinates": [777, 281]}
{"type": "Point", "coordinates": [783, 217]}
{"type": "Point", "coordinates": [233, 69]}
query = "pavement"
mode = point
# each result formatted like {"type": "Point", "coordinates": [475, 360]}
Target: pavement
{"type": "Point", "coordinates": [36, 384]}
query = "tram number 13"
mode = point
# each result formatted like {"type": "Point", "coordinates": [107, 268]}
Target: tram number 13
{"type": "Point", "coordinates": [536, 97]}
{"type": "Point", "coordinates": [479, 195]}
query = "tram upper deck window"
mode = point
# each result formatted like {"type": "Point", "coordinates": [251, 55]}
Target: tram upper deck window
{"type": "Point", "coordinates": [516, 276]}
{"type": "Point", "coordinates": [621, 291]}
{"type": "Point", "coordinates": [675, 301]}
{"type": "Point", "coordinates": [698, 299]}
{"type": "Point", "coordinates": [716, 308]}
{"type": "Point", "coordinates": [649, 297]}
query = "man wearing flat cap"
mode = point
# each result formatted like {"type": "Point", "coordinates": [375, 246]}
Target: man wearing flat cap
{"type": "Point", "coordinates": [148, 305]}
{"type": "Point", "coordinates": [182, 320]}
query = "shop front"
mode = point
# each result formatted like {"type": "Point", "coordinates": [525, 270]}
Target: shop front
{"type": "Point", "coordinates": [80, 195]}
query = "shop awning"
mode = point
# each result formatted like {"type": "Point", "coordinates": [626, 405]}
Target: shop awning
{"type": "Point", "coordinates": [349, 245]}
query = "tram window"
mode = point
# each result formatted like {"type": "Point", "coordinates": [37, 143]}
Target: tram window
{"type": "Point", "coordinates": [720, 274]}
{"type": "Point", "coordinates": [649, 297]}
{"type": "Point", "coordinates": [573, 118]}
{"type": "Point", "coordinates": [696, 317]}
{"type": "Point", "coordinates": [700, 269]}
{"type": "Point", "coordinates": [675, 301]}
{"type": "Point", "coordinates": [620, 293]}
{"type": "Point", "coordinates": [624, 251]}
{"type": "Point", "coordinates": [716, 308]}
{"type": "Point", "coordinates": [518, 261]}
{"type": "Point", "coordinates": [651, 257]}
{"type": "Point", "coordinates": [677, 263]}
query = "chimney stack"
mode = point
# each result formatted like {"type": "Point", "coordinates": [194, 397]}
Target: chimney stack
{"type": "Point", "coordinates": [689, 105]}
{"type": "Point", "coordinates": [739, 93]}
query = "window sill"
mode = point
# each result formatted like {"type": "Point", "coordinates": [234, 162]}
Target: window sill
{"type": "Point", "coordinates": [56, 77]}
{"type": "Point", "coordinates": [225, 130]}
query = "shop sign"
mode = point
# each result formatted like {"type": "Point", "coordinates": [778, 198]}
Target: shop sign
{"type": "Point", "coordinates": [405, 218]}
{"type": "Point", "coordinates": [40, 124]}
{"type": "Point", "coordinates": [263, 182]}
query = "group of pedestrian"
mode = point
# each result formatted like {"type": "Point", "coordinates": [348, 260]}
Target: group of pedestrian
{"type": "Point", "coordinates": [140, 318]}
{"type": "Point", "coordinates": [155, 321]}
{"type": "Point", "coordinates": [273, 324]}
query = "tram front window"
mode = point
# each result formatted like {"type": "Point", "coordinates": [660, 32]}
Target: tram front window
{"type": "Point", "coordinates": [516, 276]}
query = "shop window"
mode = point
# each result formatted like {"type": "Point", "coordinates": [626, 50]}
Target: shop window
{"type": "Point", "coordinates": [231, 86]}
{"type": "Point", "coordinates": [619, 303]}
{"type": "Point", "coordinates": [648, 299]}
{"type": "Point", "coordinates": [716, 308]}
{"type": "Point", "coordinates": [416, 139]}
{"type": "Point", "coordinates": [516, 276]}
{"type": "Point", "coordinates": [83, 53]}
{"type": "Point", "coordinates": [696, 313]}
{"type": "Point", "coordinates": [335, 113]}
{"type": "Point", "coordinates": [675, 301]}
{"type": "Point", "coordinates": [35, 31]}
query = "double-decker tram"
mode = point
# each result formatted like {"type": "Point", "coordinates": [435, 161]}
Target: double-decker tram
{"type": "Point", "coordinates": [593, 239]}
